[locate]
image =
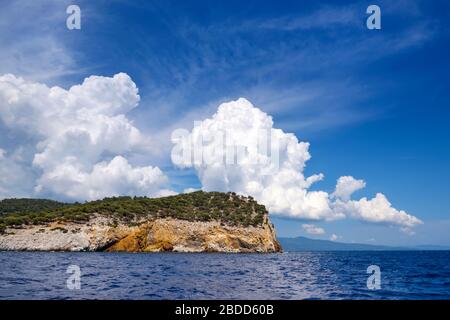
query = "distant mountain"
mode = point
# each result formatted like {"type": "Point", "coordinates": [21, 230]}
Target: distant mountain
{"type": "Point", "coordinates": [431, 247]}
{"type": "Point", "coordinates": [306, 244]}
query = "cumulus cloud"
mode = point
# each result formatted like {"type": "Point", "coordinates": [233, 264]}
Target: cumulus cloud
{"type": "Point", "coordinates": [115, 177]}
{"type": "Point", "coordinates": [80, 137]}
{"type": "Point", "coordinates": [313, 229]}
{"type": "Point", "coordinates": [77, 144]}
{"type": "Point", "coordinates": [240, 129]}
{"type": "Point", "coordinates": [346, 186]}
{"type": "Point", "coordinates": [236, 128]}
{"type": "Point", "coordinates": [377, 210]}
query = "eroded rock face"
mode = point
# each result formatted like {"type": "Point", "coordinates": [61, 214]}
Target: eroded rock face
{"type": "Point", "coordinates": [100, 234]}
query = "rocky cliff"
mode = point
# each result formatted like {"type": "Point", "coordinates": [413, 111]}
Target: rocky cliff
{"type": "Point", "coordinates": [227, 227]}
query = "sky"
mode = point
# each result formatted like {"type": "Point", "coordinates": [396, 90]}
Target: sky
{"type": "Point", "coordinates": [90, 113]}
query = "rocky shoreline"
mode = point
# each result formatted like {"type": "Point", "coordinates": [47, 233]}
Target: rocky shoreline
{"type": "Point", "coordinates": [154, 235]}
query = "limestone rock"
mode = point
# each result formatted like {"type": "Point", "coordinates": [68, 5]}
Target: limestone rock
{"type": "Point", "coordinates": [153, 235]}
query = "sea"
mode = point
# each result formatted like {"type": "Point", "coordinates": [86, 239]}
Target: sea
{"type": "Point", "coordinates": [296, 275]}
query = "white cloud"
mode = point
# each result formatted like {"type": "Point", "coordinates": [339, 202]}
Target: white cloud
{"type": "Point", "coordinates": [346, 186]}
{"type": "Point", "coordinates": [79, 144]}
{"type": "Point", "coordinates": [334, 237]}
{"type": "Point", "coordinates": [377, 210]}
{"type": "Point", "coordinates": [116, 177]}
{"type": "Point", "coordinates": [279, 185]}
{"type": "Point", "coordinates": [312, 229]}
{"type": "Point", "coordinates": [80, 136]}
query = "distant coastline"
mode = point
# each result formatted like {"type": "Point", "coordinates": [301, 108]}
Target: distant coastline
{"type": "Point", "coordinates": [306, 244]}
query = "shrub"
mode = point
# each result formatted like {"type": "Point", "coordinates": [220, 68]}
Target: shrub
{"type": "Point", "coordinates": [202, 206]}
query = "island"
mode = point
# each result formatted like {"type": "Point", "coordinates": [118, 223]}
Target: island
{"type": "Point", "coordinates": [189, 222]}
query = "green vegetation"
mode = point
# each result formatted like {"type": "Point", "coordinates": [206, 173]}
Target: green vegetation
{"type": "Point", "coordinates": [196, 206]}
{"type": "Point", "coordinates": [29, 205]}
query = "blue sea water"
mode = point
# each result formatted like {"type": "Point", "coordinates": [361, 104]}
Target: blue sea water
{"type": "Point", "coordinates": [301, 275]}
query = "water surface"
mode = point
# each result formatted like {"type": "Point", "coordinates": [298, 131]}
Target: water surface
{"type": "Point", "coordinates": [302, 275]}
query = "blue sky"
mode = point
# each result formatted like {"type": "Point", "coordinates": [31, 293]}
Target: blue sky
{"type": "Point", "coordinates": [373, 104]}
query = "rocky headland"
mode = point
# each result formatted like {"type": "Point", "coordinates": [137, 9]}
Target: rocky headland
{"type": "Point", "coordinates": [193, 222]}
